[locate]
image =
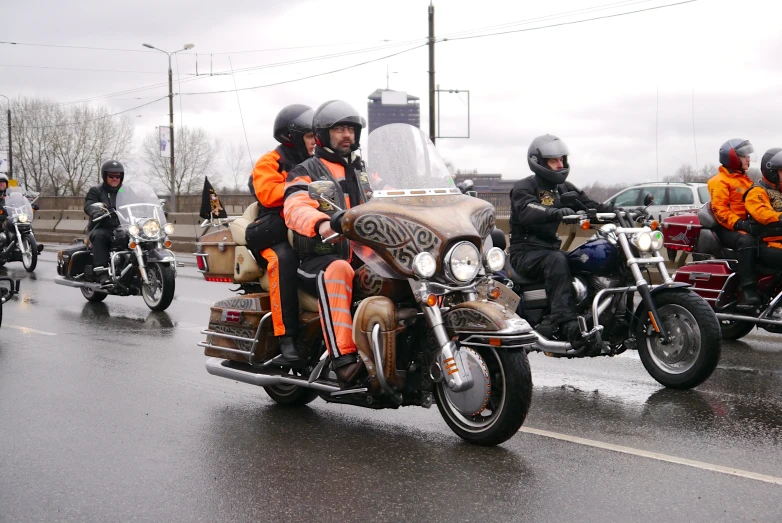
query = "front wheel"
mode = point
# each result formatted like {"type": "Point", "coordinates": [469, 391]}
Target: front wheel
{"type": "Point", "coordinates": [694, 350]}
{"type": "Point", "coordinates": [30, 257]}
{"type": "Point", "coordinates": [159, 293]}
{"type": "Point", "coordinates": [494, 409]}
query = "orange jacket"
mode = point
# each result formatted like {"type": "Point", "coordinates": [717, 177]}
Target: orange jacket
{"type": "Point", "coordinates": [303, 214]}
{"type": "Point", "coordinates": [727, 197]}
{"type": "Point", "coordinates": [759, 206]}
{"type": "Point", "coordinates": [269, 180]}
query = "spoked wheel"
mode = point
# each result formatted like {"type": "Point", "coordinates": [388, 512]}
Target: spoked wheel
{"type": "Point", "coordinates": [92, 295]}
{"type": "Point", "coordinates": [735, 330]}
{"type": "Point", "coordinates": [494, 408]}
{"type": "Point", "coordinates": [30, 257]}
{"type": "Point", "coordinates": [291, 395]}
{"type": "Point", "coordinates": [160, 291]}
{"type": "Point", "coordinates": [694, 349]}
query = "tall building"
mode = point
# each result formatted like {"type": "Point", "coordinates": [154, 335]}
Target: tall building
{"type": "Point", "coordinates": [386, 106]}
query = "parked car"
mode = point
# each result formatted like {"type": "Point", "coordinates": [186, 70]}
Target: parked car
{"type": "Point", "coordinates": [669, 197]}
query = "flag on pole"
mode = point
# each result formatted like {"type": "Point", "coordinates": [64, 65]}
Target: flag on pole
{"type": "Point", "coordinates": [211, 207]}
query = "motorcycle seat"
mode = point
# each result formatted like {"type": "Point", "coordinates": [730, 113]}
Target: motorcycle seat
{"type": "Point", "coordinates": [519, 279]}
{"type": "Point", "coordinates": [239, 225]}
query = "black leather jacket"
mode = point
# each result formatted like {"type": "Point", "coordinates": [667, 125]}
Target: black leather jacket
{"type": "Point", "coordinates": [100, 194]}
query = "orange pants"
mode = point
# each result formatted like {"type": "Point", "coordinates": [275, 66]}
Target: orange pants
{"type": "Point", "coordinates": [335, 293]}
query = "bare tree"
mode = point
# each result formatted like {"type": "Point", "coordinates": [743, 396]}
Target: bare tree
{"type": "Point", "coordinates": [234, 159]}
{"type": "Point", "coordinates": [195, 152]}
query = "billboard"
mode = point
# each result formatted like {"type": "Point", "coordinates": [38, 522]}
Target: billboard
{"type": "Point", "coordinates": [4, 162]}
{"type": "Point", "coordinates": [393, 98]}
{"type": "Point", "coordinates": [165, 141]}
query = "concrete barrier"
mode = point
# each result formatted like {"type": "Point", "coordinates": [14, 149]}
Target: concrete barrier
{"type": "Point", "coordinates": [186, 226]}
{"type": "Point", "coordinates": [46, 220]}
{"type": "Point", "coordinates": [72, 222]}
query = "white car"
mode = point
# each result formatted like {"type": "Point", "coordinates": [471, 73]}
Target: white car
{"type": "Point", "coordinates": [669, 197]}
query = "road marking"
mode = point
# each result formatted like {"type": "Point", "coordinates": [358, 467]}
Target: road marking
{"type": "Point", "coordinates": [28, 330]}
{"type": "Point", "coordinates": [654, 455]}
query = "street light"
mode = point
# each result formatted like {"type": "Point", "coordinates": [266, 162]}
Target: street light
{"type": "Point", "coordinates": [171, 115]}
{"type": "Point", "coordinates": [10, 153]}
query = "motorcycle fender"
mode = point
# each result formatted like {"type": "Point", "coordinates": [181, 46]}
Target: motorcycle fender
{"type": "Point", "coordinates": [488, 323]}
{"type": "Point", "coordinates": [160, 256]}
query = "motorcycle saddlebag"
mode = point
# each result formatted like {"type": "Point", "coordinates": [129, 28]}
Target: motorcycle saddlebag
{"type": "Point", "coordinates": [681, 231]}
{"type": "Point", "coordinates": [215, 255]}
{"type": "Point", "coordinates": [72, 260]}
{"type": "Point", "coordinates": [240, 317]}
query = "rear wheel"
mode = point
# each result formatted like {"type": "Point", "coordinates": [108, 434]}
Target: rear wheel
{"type": "Point", "coordinates": [494, 409]}
{"type": "Point", "coordinates": [92, 295]}
{"type": "Point", "coordinates": [694, 350]}
{"type": "Point", "coordinates": [291, 395]}
{"type": "Point", "coordinates": [30, 257]}
{"type": "Point", "coordinates": [735, 330]}
{"type": "Point", "coordinates": [159, 293]}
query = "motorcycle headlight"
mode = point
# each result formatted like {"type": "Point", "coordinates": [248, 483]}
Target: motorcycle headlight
{"type": "Point", "coordinates": [424, 265]}
{"type": "Point", "coordinates": [462, 262]}
{"type": "Point", "coordinates": [643, 240]}
{"type": "Point", "coordinates": [23, 217]}
{"type": "Point", "coordinates": [494, 259]}
{"type": "Point", "coordinates": [169, 228]}
{"type": "Point", "coordinates": [133, 230]}
{"type": "Point", "coordinates": [657, 240]}
{"type": "Point", "coordinates": [151, 228]}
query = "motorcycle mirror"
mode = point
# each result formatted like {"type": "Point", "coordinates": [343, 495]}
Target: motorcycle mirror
{"type": "Point", "coordinates": [474, 194]}
{"type": "Point", "coordinates": [324, 191]}
{"type": "Point", "coordinates": [162, 202]}
{"type": "Point", "coordinates": [648, 199]}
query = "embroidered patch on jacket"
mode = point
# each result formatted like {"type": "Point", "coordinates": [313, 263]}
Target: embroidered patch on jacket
{"type": "Point", "coordinates": [546, 198]}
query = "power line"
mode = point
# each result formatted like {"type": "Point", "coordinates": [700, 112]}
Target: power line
{"type": "Point", "coordinates": [93, 119]}
{"type": "Point", "coordinates": [573, 22]}
{"type": "Point", "coordinates": [78, 47]}
{"type": "Point", "coordinates": [80, 69]}
{"type": "Point", "coordinates": [308, 77]}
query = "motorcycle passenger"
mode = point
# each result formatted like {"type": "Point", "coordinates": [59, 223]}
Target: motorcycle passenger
{"type": "Point", "coordinates": [325, 270]}
{"type": "Point", "coordinates": [727, 189]}
{"type": "Point", "coordinates": [536, 211]}
{"type": "Point", "coordinates": [267, 236]}
{"type": "Point", "coordinates": [3, 184]}
{"type": "Point", "coordinates": [764, 204]}
{"type": "Point", "coordinates": [100, 233]}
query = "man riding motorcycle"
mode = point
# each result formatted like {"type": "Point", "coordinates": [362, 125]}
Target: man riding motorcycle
{"type": "Point", "coordinates": [536, 211]}
{"type": "Point", "coordinates": [99, 200]}
{"type": "Point", "coordinates": [325, 269]}
{"type": "Point", "coordinates": [727, 189]}
{"type": "Point", "coordinates": [764, 204]}
{"type": "Point", "coordinates": [267, 236]}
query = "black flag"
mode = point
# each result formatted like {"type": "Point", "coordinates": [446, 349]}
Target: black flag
{"type": "Point", "coordinates": [211, 207]}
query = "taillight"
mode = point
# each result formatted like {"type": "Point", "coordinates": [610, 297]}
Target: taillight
{"type": "Point", "coordinates": [201, 262]}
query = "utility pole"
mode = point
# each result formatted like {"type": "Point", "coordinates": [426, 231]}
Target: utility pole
{"type": "Point", "coordinates": [432, 130]}
{"type": "Point", "coordinates": [172, 179]}
{"type": "Point", "coordinates": [10, 152]}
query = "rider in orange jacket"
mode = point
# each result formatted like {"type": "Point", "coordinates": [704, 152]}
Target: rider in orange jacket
{"type": "Point", "coordinates": [764, 204]}
{"type": "Point", "coordinates": [727, 190]}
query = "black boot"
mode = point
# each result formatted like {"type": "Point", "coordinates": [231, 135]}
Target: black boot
{"type": "Point", "coordinates": [570, 331]}
{"type": "Point", "coordinates": [750, 296]}
{"type": "Point", "coordinates": [546, 328]}
{"type": "Point", "coordinates": [289, 354]}
{"type": "Point", "coordinates": [348, 368]}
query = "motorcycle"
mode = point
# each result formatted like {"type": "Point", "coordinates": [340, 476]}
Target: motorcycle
{"type": "Point", "coordinates": [712, 272]}
{"type": "Point", "coordinates": [140, 261]}
{"type": "Point", "coordinates": [8, 288]}
{"type": "Point", "coordinates": [17, 240]}
{"type": "Point", "coordinates": [428, 323]}
{"type": "Point", "coordinates": [673, 329]}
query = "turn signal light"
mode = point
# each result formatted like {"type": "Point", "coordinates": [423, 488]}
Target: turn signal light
{"type": "Point", "coordinates": [586, 225]}
{"type": "Point", "coordinates": [167, 244]}
{"type": "Point", "coordinates": [494, 293]}
{"type": "Point", "coordinates": [132, 245]}
{"type": "Point", "coordinates": [495, 342]}
{"type": "Point", "coordinates": [654, 225]}
{"type": "Point", "coordinates": [431, 300]}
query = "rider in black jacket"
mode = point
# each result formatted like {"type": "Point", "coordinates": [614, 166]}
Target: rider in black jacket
{"type": "Point", "coordinates": [536, 211]}
{"type": "Point", "coordinates": [99, 200]}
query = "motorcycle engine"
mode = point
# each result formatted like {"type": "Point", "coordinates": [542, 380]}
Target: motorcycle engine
{"type": "Point", "coordinates": [602, 282]}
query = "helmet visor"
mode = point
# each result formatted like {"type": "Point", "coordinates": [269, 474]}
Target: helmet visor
{"type": "Point", "coordinates": [775, 163]}
{"type": "Point", "coordinates": [744, 149]}
{"type": "Point", "coordinates": [553, 149]}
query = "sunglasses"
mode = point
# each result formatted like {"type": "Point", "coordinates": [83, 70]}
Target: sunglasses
{"type": "Point", "coordinates": [114, 176]}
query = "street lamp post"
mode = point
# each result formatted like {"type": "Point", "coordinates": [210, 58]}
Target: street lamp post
{"type": "Point", "coordinates": [10, 152]}
{"type": "Point", "coordinates": [171, 116]}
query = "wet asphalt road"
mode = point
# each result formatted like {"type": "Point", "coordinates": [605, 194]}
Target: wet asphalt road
{"type": "Point", "coordinates": [107, 414]}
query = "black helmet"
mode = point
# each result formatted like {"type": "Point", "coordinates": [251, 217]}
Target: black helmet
{"type": "Point", "coordinates": [4, 178]}
{"type": "Point", "coordinates": [766, 157]}
{"type": "Point", "coordinates": [112, 166]}
{"type": "Point", "coordinates": [772, 167]}
{"type": "Point", "coordinates": [543, 148]}
{"type": "Point", "coordinates": [296, 118]}
{"type": "Point", "coordinates": [730, 152]}
{"type": "Point", "coordinates": [332, 113]}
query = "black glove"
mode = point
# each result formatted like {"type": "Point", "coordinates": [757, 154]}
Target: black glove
{"type": "Point", "coordinates": [746, 226]}
{"type": "Point", "coordinates": [606, 207]}
{"type": "Point", "coordinates": [336, 221]}
{"type": "Point", "coordinates": [560, 213]}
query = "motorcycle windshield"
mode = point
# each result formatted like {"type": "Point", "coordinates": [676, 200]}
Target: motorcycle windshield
{"type": "Point", "coordinates": [17, 205]}
{"type": "Point", "coordinates": [136, 200]}
{"type": "Point", "coordinates": [402, 157]}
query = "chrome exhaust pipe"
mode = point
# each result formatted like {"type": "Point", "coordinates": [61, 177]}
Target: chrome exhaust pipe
{"type": "Point", "coordinates": [546, 345]}
{"type": "Point", "coordinates": [215, 367]}
{"type": "Point", "coordinates": [79, 284]}
{"type": "Point", "coordinates": [750, 319]}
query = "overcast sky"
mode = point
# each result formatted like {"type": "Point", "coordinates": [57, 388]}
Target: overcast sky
{"type": "Point", "coordinates": [593, 84]}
